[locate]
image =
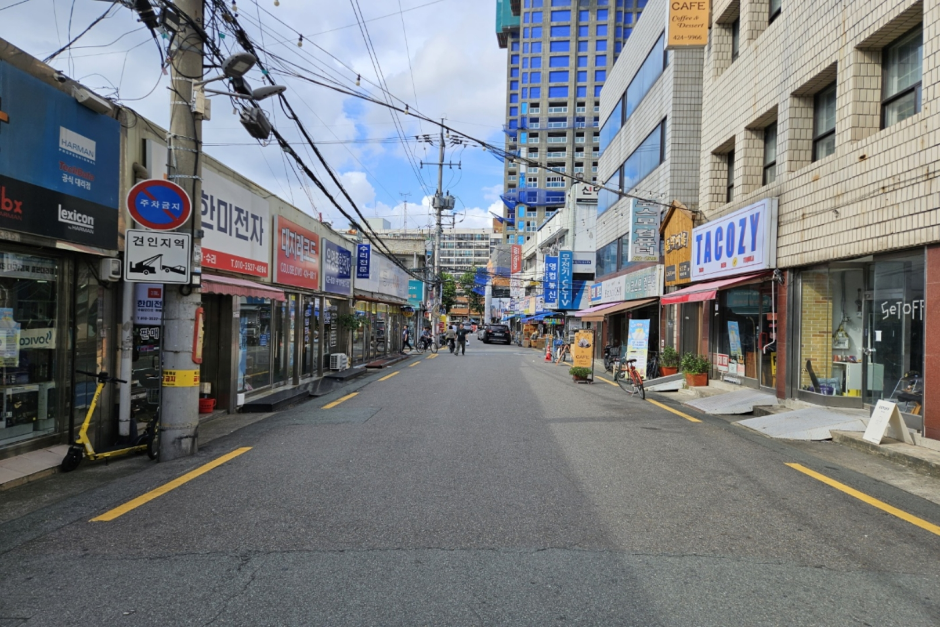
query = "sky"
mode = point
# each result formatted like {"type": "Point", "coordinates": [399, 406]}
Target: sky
{"type": "Point", "coordinates": [439, 56]}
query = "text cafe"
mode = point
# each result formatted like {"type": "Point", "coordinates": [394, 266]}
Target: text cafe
{"type": "Point", "coordinates": [731, 267]}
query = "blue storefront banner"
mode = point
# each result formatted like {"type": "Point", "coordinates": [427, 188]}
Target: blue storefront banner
{"type": "Point", "coordinates": [363, 259]}
{"type": "Point", "coordinates": [565, 279]}
{"type": "Point", "coordinates": [551, 282]}
{"type": "Point", "coordinates": [415, 293]}
{"type": "Point", "coordinates": [59, 164]}
{"type": "Point", "coordinates": [337, 269]}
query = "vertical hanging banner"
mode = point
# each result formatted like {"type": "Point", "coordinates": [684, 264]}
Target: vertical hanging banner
{"type": "Point", "coordinates": [565, 280]}
{"type": "Point", "coordinates": [644, 231]}
{"type": "Point", "coordinates": [516, 259]}
{"type": "Point", "coordinates": [687, 24]}
{"type": "Point", "coordinates": [638, 344]}
{"type": "Point", "coordinates": [551, 282]}
{"type": "Point", "coordinates": [363, 260]}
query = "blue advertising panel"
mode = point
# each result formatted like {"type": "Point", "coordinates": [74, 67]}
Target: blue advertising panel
{"type": "Point", "coordinates": [415, 293]}
{"type": "Point", "coordinates": [363, 260]}
{"type": "Point", "coordinates": [638, 344]}
{"type": "Point", "coordinates": [551, 282]}
{"type": "Point", "coordinates": [565, 279]}
{"type": "Point", "coordinates": [337, 269]}
{"type": "Point", "coordinates": [59, 164]}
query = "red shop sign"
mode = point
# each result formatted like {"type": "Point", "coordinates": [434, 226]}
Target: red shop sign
{"type": "Point", "coordinates": [297, 260]}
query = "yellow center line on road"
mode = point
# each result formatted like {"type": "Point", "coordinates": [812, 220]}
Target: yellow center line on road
{"type": "Point", "coordinates": [414, 364]}
{"type": "Point", "coordinates": [914, 520]}
{"type": "Point", "coordinates": [676, 412]}
{"type": "Point", "coordinates": [387, 377]}
{"type": "Point", "coordinates": [432, 356]}
{"type": "Point", "coordinates": [149, 496]}
{"type": "Point", "coordinates": [342, 400]}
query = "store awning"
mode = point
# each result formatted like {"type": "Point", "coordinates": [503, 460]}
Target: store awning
{"type": "Point", "coordinates": [628, 305]}
{"type": "Point", "coordinates": [594, 310]}
{"type": "Point", "coordinates": [707, 291]}
{"type": "Point", "coordinates": [214, 284]}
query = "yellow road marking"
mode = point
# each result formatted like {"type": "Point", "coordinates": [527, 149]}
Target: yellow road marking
{"type": "Point", "coordinates": [149, 496]}
{"type": "Point", "coordinates": [342, 400]}
{"type": "Point", "coordinates": [432, 356]}
{"type": "Point", "coordinates": [387, 377]}
{"type": "Point", "coordinates": [608, 381]}
{"type": "Point", "coordinates": [414, 364]}
{"type": "Point", "coordinates": [914, 520]}
{"type": "Point", "coordinates": [676, 412]}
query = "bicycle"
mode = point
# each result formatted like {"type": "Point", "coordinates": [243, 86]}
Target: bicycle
{"type": "Point", "coordinates": [628, 377]}
{"type": "Point", "coordinates": [652, 366]}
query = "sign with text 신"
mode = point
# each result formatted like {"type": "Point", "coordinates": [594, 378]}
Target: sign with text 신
{"type": "Point", "coordinates": [151, 256]}
{"type": "Point", "coordinates": [566, 280]}
{"type": "Point", "coordinates": [644, 231]}
{"type": "Point", "coordinates": [687, 24]}
{"type": "Point", "coordinates": [583, 350]}
{"type": "Point", "coordinates": [180, 378]}
{"type": "Point", "coordinates": [363, 259]}
{"type": "Point", "coordinates": [159, 205]}
{"type": "Point", "coordinates": [297, 259]}
{"type": "Point", "coordinates": [886, 418]}
{"type": "Point", "coordinates": [551, 281]}
{"type": "Point", "coordinates": [740, 242]}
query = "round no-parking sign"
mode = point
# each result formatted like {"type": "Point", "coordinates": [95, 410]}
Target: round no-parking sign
{"type": "Point", "coordinates": [159, 205]}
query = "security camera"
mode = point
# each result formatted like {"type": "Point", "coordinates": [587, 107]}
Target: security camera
{"type": "Point", "coordinates": [60, 77]}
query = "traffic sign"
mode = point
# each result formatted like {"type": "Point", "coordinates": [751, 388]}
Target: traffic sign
{"type": "Point", "coordinates": [159, 205]}
{"type": "Point", "coordinates": [157, 257]}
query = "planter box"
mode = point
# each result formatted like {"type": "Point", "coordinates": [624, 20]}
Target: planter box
{"type": "Point", "coordinates": [666, 370]}
{"type": "Point", "coordinates": [696, 380]}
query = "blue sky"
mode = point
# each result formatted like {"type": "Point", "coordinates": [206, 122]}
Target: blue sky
{"type": "Point", "coordinates": [439, 56]}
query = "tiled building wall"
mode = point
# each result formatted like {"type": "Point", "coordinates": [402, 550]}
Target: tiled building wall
{"type": "Point", "coordinates": [876, 192]}
{"type": "Point", "coordinates": [816, 327]}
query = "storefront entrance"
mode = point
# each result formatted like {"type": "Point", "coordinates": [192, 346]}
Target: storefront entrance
{"type": "Point", "coordinates": [743, 335]}
{"type": "Point", "coordinates": [862, 332]}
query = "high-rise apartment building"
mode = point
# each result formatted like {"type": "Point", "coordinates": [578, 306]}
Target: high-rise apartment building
{"type": "Point", "coordinates": [558, 56]}
{"type": "Point", "coordinates": [462, 250]}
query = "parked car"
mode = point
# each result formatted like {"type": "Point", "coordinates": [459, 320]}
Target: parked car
{"type": "Point", "coordinates": [480, 332]}
{"type": "Point", "coordinates": [497, 333]}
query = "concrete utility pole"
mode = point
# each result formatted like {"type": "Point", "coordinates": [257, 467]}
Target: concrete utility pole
{"type": "Point", "coordinates": [179, 405]}
{"type": "Point", "coordinates": [439, 203]}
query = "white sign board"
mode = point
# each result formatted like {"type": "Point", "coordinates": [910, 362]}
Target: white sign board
{"type": "Point", "coordinates": [151, 256]}
{"type": "Point", "coordinates": [885, 418]}
{"type": "Point", "coordinates": [384, 278]}
{"type": "Point", "coordinates": [148, 304]}
{"type": "Point", "coordinates": [740, 242]}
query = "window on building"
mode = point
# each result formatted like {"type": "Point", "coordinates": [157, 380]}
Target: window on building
{"type": "Point", "coordinates": [561, 16]}
{"type": "Point", "coordinates": [558, 92]}
{"type": "Point", "coordinates": [645, 158]}
{"type": "Point", "coordinates": [535, 92]}
{"type": "Point", "coordinates": [600, 76]}
{"type": "Point", "coordinates": [824, 123]}
{"type": "Point", "coordinates": [525, 62]}
{"type": "Point", "coordinates": [561, 76]}
{"type": "Point", "coordinates": [584, 31]}
{"type": "Point", "coordinates": [535, 63]}
{"type": "Point", "coordinates": [515, 46]}
{"type": "Point", "coordinates": [602, 15]}
{"type": "Point", "coordinates": [597, 90]}
{"type": "Point", "coordinates": [536, 17]}
{"type": "Point", "coordinates": [535, 77]}
{"type": "Point", "coordinates": [600, 45]}
{"type": "Point", "coordinates": [770, 154]}
{"type": "Point", "coordinates": [559, 61]}
{"type": "Point", "coordinates": [775, 8]}
{"type": "Point", "coordinates": [581, 92]}
{"type": "Point", "coordinates": [561, 3]}
{"type": "Point", "coordinates": [606, 257]}
{"type": "Point", "coordinates": [582, 61]}
{"type": "Point", "coordinates": [735, 38]}
{"type": "Point", "coordinates": [602, 30]}
{"type": "Point", "coordinates": [536, 47]}
{"type": "Point", "coordinates": [536, 32]}
{"type": "Point", "coordinates": [582, 46]}
{"type": "Point", "coordinates": [600, 60]}
{"type": "Point", "coordinates": [513, 85]}
{"type": "Point", "coordinates": [561, 31]}
{"type": "Point", "coordinates": [902, 65]}
{"type": "Point", "coordinates": [559, 46]}
{"type": "Point", "coordinates": [729, 186]}
{"type": "Point", "coordinates": [513, 111]}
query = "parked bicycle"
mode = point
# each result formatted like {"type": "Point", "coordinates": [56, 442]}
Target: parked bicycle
{"type": "Point", "coordinates": [652, 365]}
{"type": "Point", "coordinates": [611, 356]}
{"type": "Point", "coordinates": [628, 377]}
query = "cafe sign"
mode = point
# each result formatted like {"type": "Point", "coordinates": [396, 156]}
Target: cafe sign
{"type": "Point", "coordinates": [677, 245]}
{"type": "Point", "coordinates": [687, 24]}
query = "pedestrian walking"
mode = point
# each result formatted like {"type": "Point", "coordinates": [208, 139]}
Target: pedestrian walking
{"type": "Point", "coordinates": [406, 340]}
{"type": "Point", "coordinates": [461, 348]}
{"type": "Point", "coordinates": [451, 337]}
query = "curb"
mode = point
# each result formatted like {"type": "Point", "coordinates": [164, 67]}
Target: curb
{"type": "Point", "coordinates": [892, 450]}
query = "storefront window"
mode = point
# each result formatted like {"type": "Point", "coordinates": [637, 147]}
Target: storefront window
{"type": "Point", "coordinates": [254, 355]}
{"type": "Point", "coordinates": [28, 346]}
{"type": "Point", "coordinates": [737, 329]}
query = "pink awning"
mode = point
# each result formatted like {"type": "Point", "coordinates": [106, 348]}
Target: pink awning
{"type": "Point", "coordinates": [214, 284]}
{"type": "Point", "coordinates": [586, 312]}
{"type": "Point", "coordinates": [707, 290]}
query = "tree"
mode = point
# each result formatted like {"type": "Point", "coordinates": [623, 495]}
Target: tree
{"type": "Point", "coordinates": [448, 290]}
{"type": "Point", "coordinates": [467, 283]}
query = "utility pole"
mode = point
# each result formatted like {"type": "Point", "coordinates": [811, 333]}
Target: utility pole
{"type": "Point", "coordinates": [179, 405]}
{"type": "Point", "coordinates": [439, 203]}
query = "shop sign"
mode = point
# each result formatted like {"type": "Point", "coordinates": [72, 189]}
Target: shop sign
{"type": "Point", "coordinates": [515, 259]}
{"type": "Point", "coordinates": [584, 262]}
{"type": "Point", "coordinates": [337, 269]}
{"type": "Point", "coordinates": [638, 344]}
{"type": "Point", "coordinates": [644, 283]}
{"type": "Point", "coordinates": [644, 231]}
{"type": "Point", "coordinates": [687, 24]}
{"type": "Point", "coordinates": [566, 280]}
{"type": "Point", "coordinates": [741, 242]}
{"type": "Point", "coordinates": [148, 307]}
{"type": "Point", "coordinates": [363, 257]}
{"type": "Point", "coordinates": [585, 194]}
{"type": "Point", "coordinates": [235, 222]}
{"type": "Point", "coordinates": [37, 338]}
{"type": "Point", "coordinates": [59, 164]}
{"type": "Point", "coordinates": [551, 281]}
{"type": "Point", "coordinates": [157, 256]}
{"type": "Point", "coordinates": [297, 260]}
{"type": "Point", "coordinates": [530, 305]}
{"type": "Point", "coordinates": [516, 288]}
{"type": "Point", "coordinates": [582, 352]}
{"type": "Point", "coordinates": [677, 245]}
{"type": "Point", "coordinates": [14, 266]}
{"type": "Point", "coordinates": [415, 293]}
{"type": "Point", "coordinates": [383, 277]}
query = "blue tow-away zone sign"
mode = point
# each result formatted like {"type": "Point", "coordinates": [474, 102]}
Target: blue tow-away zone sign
{"type": "Point", "coordinates": [159, 205]}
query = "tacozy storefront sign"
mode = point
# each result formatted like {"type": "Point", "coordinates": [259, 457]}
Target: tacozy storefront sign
{"type": "Point", "coordinates": [743, 241]}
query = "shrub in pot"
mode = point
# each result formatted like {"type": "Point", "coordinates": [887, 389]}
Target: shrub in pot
{"type": "Point", "coordinates": [669, 362]}
{"type": "Point", "coordinates": [696, 369]}
{"type": "Point", "coordinates": [579, 373]}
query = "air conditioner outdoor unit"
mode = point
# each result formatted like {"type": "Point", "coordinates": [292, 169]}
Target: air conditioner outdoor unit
{"type": "Point", "coordinates": [109, 269]}
{"type": "Point", "coordinates": [339, 361]}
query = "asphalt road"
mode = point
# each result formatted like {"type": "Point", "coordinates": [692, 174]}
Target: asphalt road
{"type": "Point", "coordinates": [487, 489]}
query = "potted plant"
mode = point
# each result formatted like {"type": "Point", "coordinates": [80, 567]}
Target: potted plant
{"type": "Point", "coordinates": [669, 362]}
{"type": "Point", "coordinates": [579, 373]}
{"type": "Point", "coordinates": [696, 369]}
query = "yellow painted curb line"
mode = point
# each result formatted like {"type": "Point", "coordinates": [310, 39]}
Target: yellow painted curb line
{"type": "Point", "coordinates": [387, 377]}
{"type": "Point", "coordinates": [914, 520]}
{"type": "Point", "coordinates": [342, 400]}
{"type": "Point", "coordinates": [670, 409]}
{"type": "Point", "coordinates": [149, 496]}
{"type": "Point", "coordinates": [414, 364]}
{"type": "Point", "coordinates": [434, 356]}
{"type": "Point", "coordinates": [608, 381]}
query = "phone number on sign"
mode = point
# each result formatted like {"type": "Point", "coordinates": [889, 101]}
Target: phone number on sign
{"type": "Point", "coordinates": [242, 265]}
